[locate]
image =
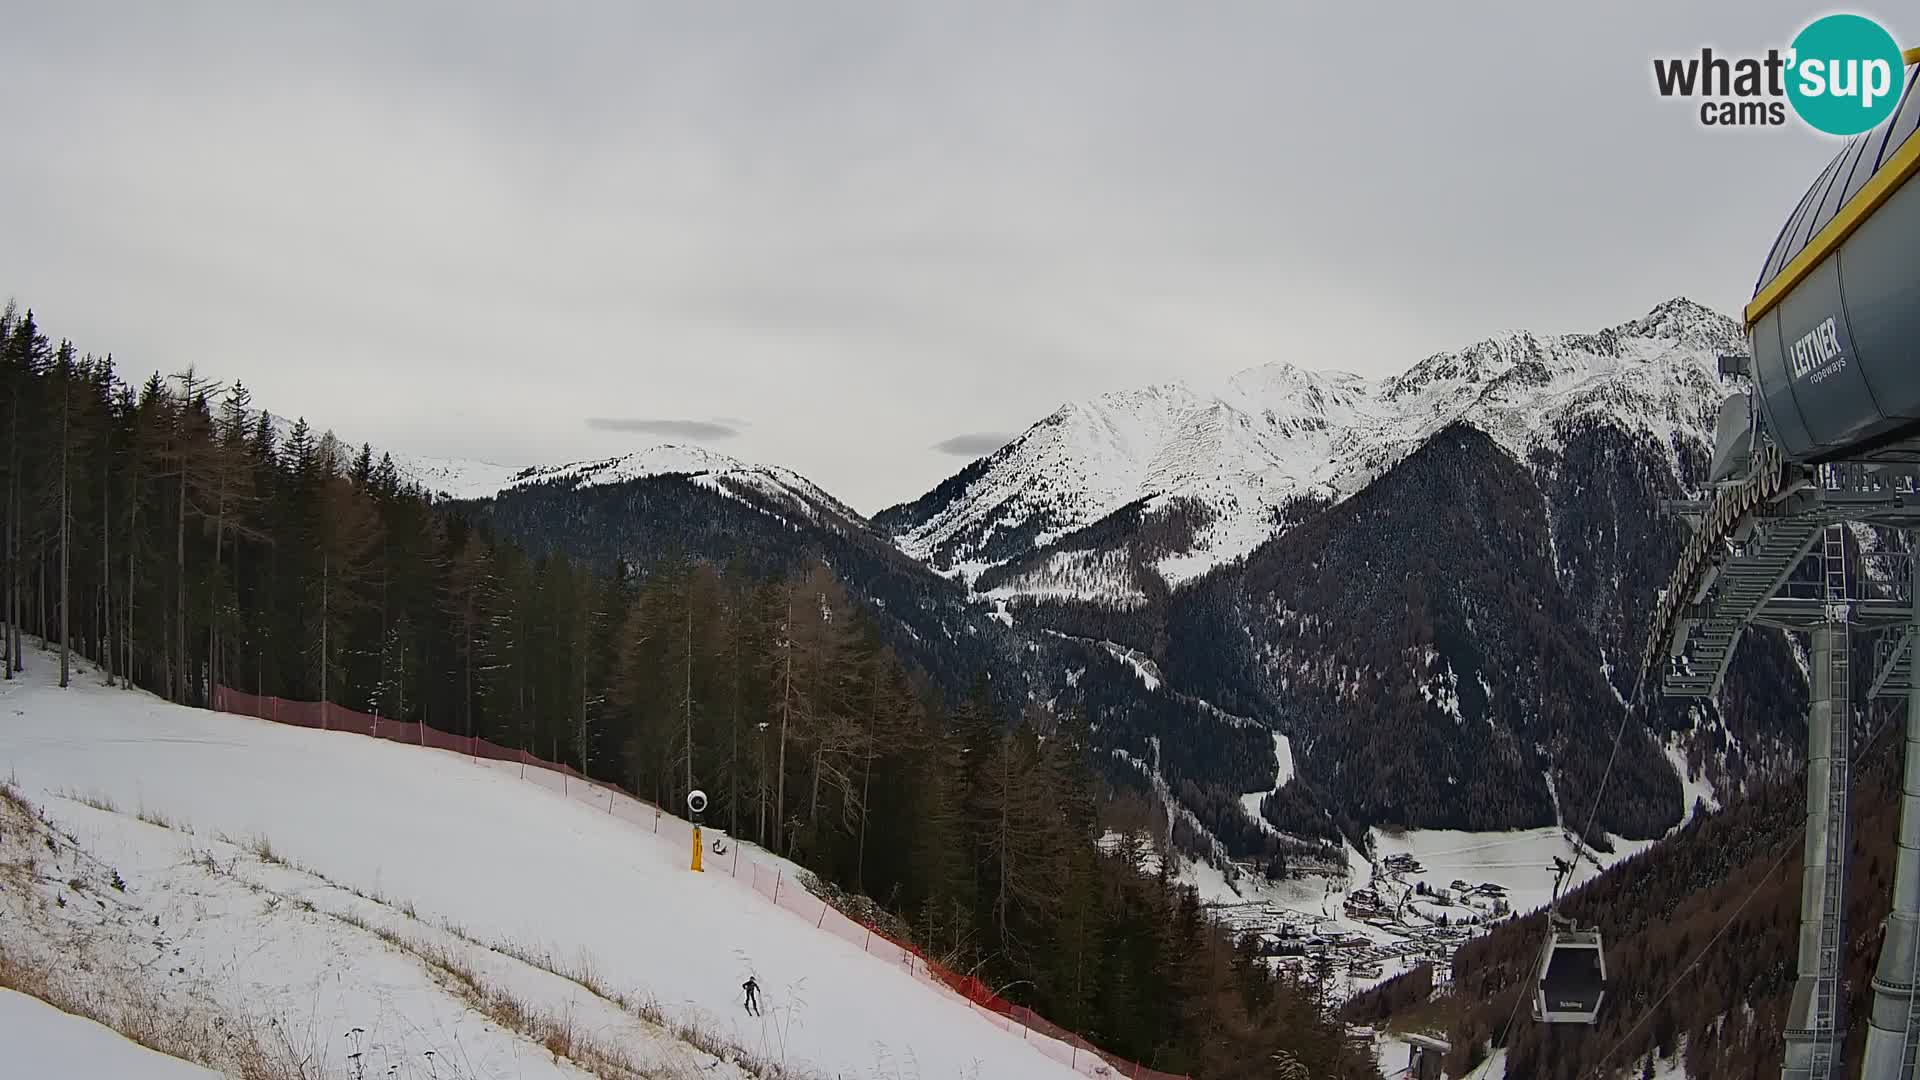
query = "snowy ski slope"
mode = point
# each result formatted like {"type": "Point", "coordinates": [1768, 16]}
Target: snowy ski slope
{"type": "Point", "coordinates": [503, 859]}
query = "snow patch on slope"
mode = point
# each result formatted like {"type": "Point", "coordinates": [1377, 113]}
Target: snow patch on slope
{"type": "Point", "coordinates": [458, 478]}
{"type": "Point", "coordinates": [1283, 772]}
{"type": "Point", "coordinates": [1693, 789]}
{"type": "Point", "coordinates": [1143, 666]}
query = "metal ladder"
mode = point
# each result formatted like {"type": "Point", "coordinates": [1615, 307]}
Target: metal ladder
{"type": "Point", "coordinates": [1828, 1019]}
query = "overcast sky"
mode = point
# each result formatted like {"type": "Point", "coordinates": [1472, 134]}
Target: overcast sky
{"type": "Point", "coordinates": [857, 239]}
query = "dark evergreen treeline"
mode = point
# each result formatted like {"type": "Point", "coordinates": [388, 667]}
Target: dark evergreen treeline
{"type": "Point", "coordinates": [173, 534]}
{"type": "Point", "coordinates": [1131, 540]}
{"type": "Point", "coordinates": [922, 617]}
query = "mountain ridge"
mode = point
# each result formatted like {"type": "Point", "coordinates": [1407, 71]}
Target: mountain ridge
{"type": "Point", "coordinates": [1241, 450]}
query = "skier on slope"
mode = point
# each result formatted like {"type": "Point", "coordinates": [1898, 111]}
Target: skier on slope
{"type": "Point", "coordinates": [753, 996]}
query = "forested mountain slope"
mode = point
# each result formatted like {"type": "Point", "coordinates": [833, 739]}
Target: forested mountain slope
{"type": "Point", "coordinates": [1439, 645]}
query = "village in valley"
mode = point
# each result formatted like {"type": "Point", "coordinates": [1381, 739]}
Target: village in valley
{"type": "Point", "coordinates": [1349, 928]}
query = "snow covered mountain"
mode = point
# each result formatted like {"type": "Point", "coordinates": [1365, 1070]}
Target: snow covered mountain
{"type": "Point", "coordinates": [471, 479]}
{"type": "Point", "coordinates": [1208, 473]}
{"type": "Point", "coordinates": [454, 478]}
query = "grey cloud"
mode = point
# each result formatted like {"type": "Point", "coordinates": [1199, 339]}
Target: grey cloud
{"type": "Point", "coordinates": [973, 444]}
{"type": "Point", "coordinates": [679, 429]}
{"type": "Point", "coordinates": [869, 221]}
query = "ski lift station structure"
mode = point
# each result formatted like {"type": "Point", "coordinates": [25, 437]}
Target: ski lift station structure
{"type": "Point", "coordinates": [1823, 436]}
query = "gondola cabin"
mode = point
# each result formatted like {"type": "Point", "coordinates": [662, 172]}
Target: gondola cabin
{"type": "Point", "coordinates": [1573, 978]}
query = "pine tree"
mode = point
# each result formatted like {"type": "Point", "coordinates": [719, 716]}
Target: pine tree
{"type": "Point", "coordinates": [64, 375]}
{"type": "Point", "coordinates": [346, 533]}
{"type": "Point", "coordinates": [1018, 825]}
{"type": "Point", "coordinates": [230, 475]}
{"type": "Point", "coordinates": [190, 454]}
{"type": "Point", "coordinates": [469, 591]}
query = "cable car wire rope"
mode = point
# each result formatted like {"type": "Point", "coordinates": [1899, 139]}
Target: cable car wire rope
{"type": "Point", "coordinates": [1553, 906]}
{"type": "Point", "coordinates": [1786, 849]}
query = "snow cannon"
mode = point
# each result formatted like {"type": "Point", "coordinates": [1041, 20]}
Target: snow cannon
{"type": "Point", "coordinates": [696, 805]}
{"type": "Point", "coordinates": [1835, 319]}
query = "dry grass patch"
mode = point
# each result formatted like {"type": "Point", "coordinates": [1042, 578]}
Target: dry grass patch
{"type": "Point", "coordinates": [97, 801]}
{"type": "Point", "coordinates": [160, 1023]}
{"type": "Point", "coordinates": [10, 795]}
{"type": "Point", "coordinates": [172, 1024]}
{"type": "Point", "coordinates": [557, 1034]}
{"type": "Point", "coordinates": [161, 820]}
{"type": "Point", "coordinates": [262, 849]}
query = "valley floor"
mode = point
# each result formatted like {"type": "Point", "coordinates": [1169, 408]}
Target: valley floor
{"type": "Point", "coordinates": [1412, 927]}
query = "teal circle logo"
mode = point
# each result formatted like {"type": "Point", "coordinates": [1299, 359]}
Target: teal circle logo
{"type": "Point", "coordinates": [1845, 74]}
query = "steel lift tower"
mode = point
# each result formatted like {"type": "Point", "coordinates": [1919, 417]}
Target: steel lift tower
{"type": "Point", "coordinates": [1823, 439]}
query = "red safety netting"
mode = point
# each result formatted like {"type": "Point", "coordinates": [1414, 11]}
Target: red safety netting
{"type": "Point", "coordinates": [772, 882]}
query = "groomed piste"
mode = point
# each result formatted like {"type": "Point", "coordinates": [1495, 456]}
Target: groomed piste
{"type": "Point", "coordinates": [469, 843]}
